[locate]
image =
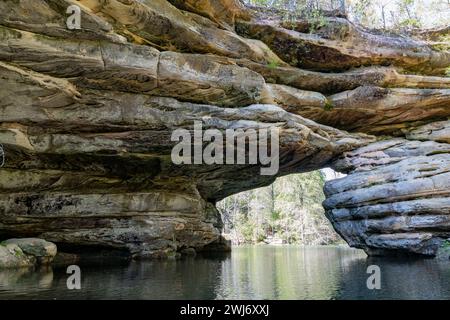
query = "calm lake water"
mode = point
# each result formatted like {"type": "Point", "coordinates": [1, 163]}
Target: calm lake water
{"type": "Point", "coordinates": [253, 272]}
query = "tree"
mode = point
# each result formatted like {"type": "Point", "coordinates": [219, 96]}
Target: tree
{"type": "Point", "coordinates": [289, 209]}
{"type": "Point", "coordinates": [386, 14]}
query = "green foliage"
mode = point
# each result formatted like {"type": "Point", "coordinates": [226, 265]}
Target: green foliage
{"type": "Point", "coordinates": [442, 43]}
{"type": "Point", "coordinates": [446, 244]}
{"type": "Point", "coordinates": [328, 106]}
{"type": "Point", "coordinates": [360, 7]}
{"type": "Point", "coordinates": [410, 22]}
{"type": "Point", "coordinates": [316, 20]}
{"type": "Point", "coordinates": [290, 209]}
{"type": "Point", "coordinates": [273, 64]}
{"type": "Point", "coordinates": [18, 254]}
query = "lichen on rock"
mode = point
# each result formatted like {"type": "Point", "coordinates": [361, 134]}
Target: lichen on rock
{"type": "Point", "coordinates": [21, 253]}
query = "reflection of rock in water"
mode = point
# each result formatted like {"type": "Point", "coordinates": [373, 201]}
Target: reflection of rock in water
{"type": "Point", "coordinates": [400, 279]}
{"type": "Point", "coordinates": [172, 279]}
{"type": "Point", "coordinates": [45, 278]}
{"type": "Point", "coordinates": [10, 277]}
{"type": "Point", "coordinates": [254, 272]}
{"type": "Point", "coordinates": [25, 280]}
{"type": "Point", "coordinates": [189, 278]}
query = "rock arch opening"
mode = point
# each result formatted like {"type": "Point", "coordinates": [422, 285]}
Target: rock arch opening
{"type": "Point", "coordinates": [87, 116]}
{"type": "Point", "coordinates": [288, 211]}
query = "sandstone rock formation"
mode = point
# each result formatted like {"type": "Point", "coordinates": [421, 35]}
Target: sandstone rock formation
{"type": "Point", "coordinates": [86, 118]}
{"type": "Point", "coordinates": [396, 196]}
{"type": "Point", "coordinates": [20, 253]}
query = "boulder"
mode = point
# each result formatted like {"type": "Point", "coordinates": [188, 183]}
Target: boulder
{"type": "Point", "coordinates": [26, 252]}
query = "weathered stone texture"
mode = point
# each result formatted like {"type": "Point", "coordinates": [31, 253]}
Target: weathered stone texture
{"type": "Point", "coordinates": [86, 118]}
{"type": "Point", "coordinates": [396, 198]}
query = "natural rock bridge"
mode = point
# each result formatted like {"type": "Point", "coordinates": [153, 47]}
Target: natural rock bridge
{"type": "Point", "coordinates": [87, 115]}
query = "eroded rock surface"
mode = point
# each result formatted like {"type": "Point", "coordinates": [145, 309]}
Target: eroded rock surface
{"type": "Point", "coordinates": [86, 118]}
{"type": "Point", "coordinates": [396, 198]}
{"type": "Point", "coordinates": [18, 253]}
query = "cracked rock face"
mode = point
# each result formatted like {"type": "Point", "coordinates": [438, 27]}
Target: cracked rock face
{"type": "Point", "coordinates": [395, 198]}
{"type": "Point", "coordinates": [86, 118]}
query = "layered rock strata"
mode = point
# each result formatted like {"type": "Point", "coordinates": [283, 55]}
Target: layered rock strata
{"type": "Point", "coordinates": [396, 197]}
{"type": "Point", "coordinates": [86, 118]}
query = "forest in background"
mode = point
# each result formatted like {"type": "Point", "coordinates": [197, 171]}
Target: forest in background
{"type": "Point", "coordinates": [398, 15]}
{"type": "Point", "coordinates": [289, 211]}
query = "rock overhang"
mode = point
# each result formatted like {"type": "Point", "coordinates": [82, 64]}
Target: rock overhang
{"type": "Point", "coordinates": [87, 117]}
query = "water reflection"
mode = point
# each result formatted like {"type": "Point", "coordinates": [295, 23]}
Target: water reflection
{"type": "Point", "coordinates": [254, 272]}
{"type": "Point", "coordinates": [401, 279]}
{"type": "Point", "coordinates": [40, 278]}
{"type": "Point", "coordinates": [284, 272]}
